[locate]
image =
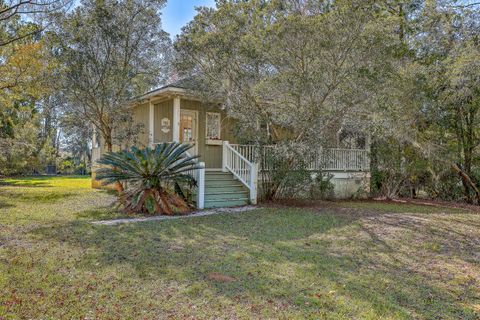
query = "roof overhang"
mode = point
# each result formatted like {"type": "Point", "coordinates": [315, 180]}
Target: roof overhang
{"type": "Point", "coordinates": [167, 93]}
{"type": "Point", "coordinates": [158, 95]}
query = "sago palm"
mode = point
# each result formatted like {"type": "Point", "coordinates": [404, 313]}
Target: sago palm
{"type": "Point", "coordinates": [155, 178]}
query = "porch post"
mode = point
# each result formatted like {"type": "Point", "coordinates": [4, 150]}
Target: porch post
{"type": "Point", "coordinates": [95, 148]}
{"type": "Point", "coordinates": [94, 137]}
{"type": "Point", "coordinates": [201, 186]}
{"type": "Point", "coordinates": [151, 124]}
{"type": "Point", "coordinates": [224, 156]}
{"type": "Point", "coordinates": [253, 183]}
{"type": "Point", "coordinates": [176, 119]}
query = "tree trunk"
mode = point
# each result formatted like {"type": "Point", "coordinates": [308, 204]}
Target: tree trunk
{"type": "Point", "coordinates": [108, 141]}
{"type": "Point", "coordinates": [467, 181]}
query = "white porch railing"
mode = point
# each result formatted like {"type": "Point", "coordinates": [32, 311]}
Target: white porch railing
{"type": "Point", "coordinates": [329, 159]}
{"type": "Point", "coordinates": [244, 170]}
{"type": "Point", "coordinates": [345, 160]}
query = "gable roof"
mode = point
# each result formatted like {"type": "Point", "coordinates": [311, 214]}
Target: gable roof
{"type": "Point", "coordinates": [182, 86]}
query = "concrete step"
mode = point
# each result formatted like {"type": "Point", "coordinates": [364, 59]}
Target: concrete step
{"type": "Point", "coordinates": [222, 183]}
{"type": "Point", "coordinates": [226, 203]}
{"type": "Point", "coordinates": [217, 173]}
{"type": "Point", "coordinates": [226, 195]}
{"type": "Point", "coordinates": [225, 187]}
{"type": "Point", "coordinates": [214, 177]}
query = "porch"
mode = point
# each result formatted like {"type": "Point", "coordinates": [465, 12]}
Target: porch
{"type": "Point", "coordinates": [230, 171]}
{"type": "Point", "coordinates": [237, 180]}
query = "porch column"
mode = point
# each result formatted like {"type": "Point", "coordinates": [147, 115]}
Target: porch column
{"type": "Point", "coordinates": [95, 147]}
{"type": "Point", "coordinates": [151, 125]}
{"type": "Point", "coordinates": [176, 119]}
{"type": "Point", "coordinates": [254, 183]}
{"type": "Point", "coordinates": [201, 186]}
{"type": "Point", "coordinates": [224, 156]}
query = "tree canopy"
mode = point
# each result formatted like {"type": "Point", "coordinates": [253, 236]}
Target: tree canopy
{"type": "Point", "coordinates": [112, 51]}
{"type": "Point", "coordinates": [405, 74]}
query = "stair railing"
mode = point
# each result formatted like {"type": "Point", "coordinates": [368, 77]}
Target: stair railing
{"type": "Point", "coordinates": [245, 171]}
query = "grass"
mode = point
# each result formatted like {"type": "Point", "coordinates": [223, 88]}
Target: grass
{"type": "Point", "coordinates": [395, 207]}
{"type": "Point", "coordinates": [341, 261]}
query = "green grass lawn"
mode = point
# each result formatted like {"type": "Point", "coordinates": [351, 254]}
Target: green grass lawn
{"type": "Point", "coordinates": [336, 261]}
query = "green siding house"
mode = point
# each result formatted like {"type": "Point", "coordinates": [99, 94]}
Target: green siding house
{"type": "Point", "coordinates": [230, 174]}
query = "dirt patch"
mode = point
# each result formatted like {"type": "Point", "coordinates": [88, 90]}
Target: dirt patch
{"type": "Point", "coordinates": [438, 203]}
{"type": "Point", "coordinates": [218, 277]}
{"type": "Point", "coordinates": [301, 203]}
{"type": "Point", "coordinates": [346, 206]}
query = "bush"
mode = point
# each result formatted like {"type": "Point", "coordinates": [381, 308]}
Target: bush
{"type": "Point", "coordinates": [286, 174]}
{"type": "Point", "coordinates": [321, 187]}
{"type": "Point", "coordinates": [156, 179]}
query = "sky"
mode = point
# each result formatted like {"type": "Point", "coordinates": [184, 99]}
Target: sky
{"type": "Point", "coordinates": [178, 13]}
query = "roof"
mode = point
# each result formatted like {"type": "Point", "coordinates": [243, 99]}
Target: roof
{"type": "Point", "coordinates": [179, 86]}
{"type": "Point", "coordinates": [186, 83]}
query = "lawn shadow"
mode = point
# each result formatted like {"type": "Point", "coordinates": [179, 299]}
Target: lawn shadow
{"type": "Point", "coordinates": [25, 184]}
{"type": "Point", "coordinates": [294, 256]}
{"type": "Point", "coordinates": [103, 213]}
{"type": "Point", "coordinates": [4, 205]}
{"type": "Point", "coordinates": [36, 181]}
{"type": "Point", "coordinates": [44, 198]}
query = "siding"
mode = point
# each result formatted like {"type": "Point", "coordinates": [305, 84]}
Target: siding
{"type": "Point", "coordinates": [140, 116]}
{"type": "Point", "coordinates": [163, 110]}
{"type": "Point", "coordinates": [210, 154]}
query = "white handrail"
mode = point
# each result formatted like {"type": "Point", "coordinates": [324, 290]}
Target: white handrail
{"type": "Point", "coordinates": [245, 171]}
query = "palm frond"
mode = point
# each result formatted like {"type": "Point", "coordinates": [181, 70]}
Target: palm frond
{"type": "Point", "coordinates": [155, 176]}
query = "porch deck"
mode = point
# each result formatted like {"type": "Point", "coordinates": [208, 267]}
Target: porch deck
{"type": "Point", "coordinates": [243, 163]}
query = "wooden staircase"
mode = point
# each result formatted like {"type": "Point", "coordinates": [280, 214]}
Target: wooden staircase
{"type": "Point", "coordinates": [222, 189]}
{"type": "Point", "coordinates": [232, 186]}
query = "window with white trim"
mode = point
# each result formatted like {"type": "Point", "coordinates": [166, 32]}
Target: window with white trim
{"type": "Point", "coordinates": [213, 126]}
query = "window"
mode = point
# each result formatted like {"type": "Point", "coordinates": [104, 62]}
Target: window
{"type": "Point", "coordinates": [213, 126]}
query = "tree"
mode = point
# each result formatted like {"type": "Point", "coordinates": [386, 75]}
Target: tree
{"type": "Point", "coordinates": [25, 70]}
{"type": "Point", "coordinates": [456, 70]}
{"type": "Point", "coordinates": [111, 52]}
{"type": "Point", "coordinates": [35, 10]}
{"type": "Point", "coordinates": [77, 138]}
{"type": "Point", "coordinates": [156, 177]}
{"type": "Point", "coordinates": [431, 105]}
{"type": "Point", "coordinates": [306, 67]}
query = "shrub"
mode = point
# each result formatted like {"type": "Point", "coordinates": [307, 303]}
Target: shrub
{"type": "Point", "coordinates": [321, 186]}
{"type": "Point", "coordinates": [155, 179]}
{"type": "Point", "coordinates": [286, 174]}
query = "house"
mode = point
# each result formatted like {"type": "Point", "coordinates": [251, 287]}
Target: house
{"type": "Point", "coordinates": [230, 178]}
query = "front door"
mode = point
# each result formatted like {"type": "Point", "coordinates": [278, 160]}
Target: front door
{"type": "Point", "coordinates": [189, 129]}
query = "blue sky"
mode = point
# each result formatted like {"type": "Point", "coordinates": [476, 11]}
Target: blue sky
{"type": "Point", "coordinates": [178, 12]}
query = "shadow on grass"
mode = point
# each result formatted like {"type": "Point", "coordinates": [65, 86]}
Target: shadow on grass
{"type": "Point", "coordinates": [36, 181]}
{"type": "Point", "coordinates": [25, 183]}
{"type": "Point", "coordinates": [44, 198]}
{"type": "Point", "coordinates": [4, 205]}
{"type": "Point", "coordinates": [390, 206]}
{"type": "Point", "coordinates": [104, 213]}
{"type": "Point", "coordinates": [294, 256]}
